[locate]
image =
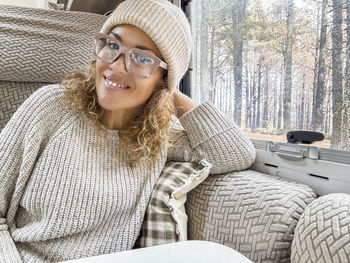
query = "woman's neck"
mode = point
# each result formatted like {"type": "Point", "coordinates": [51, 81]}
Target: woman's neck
{"type": "Point", "coordinates": [118, 119]}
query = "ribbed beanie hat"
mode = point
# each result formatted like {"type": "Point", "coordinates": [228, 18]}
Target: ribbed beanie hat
{"type": "Point", "coordinates": [165, 24]}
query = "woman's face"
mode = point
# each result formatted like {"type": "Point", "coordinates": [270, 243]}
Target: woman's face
{"type": "Point", "coordinates": [116, 88]}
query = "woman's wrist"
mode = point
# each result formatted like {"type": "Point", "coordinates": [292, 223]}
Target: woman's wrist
{"type": "Point", "coordinates": [183, 103]}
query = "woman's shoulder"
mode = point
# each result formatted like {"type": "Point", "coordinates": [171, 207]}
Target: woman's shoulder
{"type": "Point", "coordinates": [48, 94]}
{"type": "Point", "coordinates": [44, 110]}
{"type": "Point", "coordinates": [45, 104]}
{"type": "Point", "coordinates": [46, 100]}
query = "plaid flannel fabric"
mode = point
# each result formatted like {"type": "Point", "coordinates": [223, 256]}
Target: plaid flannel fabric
{"type": "Point", "coordinates": [159, 226]}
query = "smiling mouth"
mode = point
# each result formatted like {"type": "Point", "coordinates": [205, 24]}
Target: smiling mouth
{"type": "Point", "coordinates": [115, 85]}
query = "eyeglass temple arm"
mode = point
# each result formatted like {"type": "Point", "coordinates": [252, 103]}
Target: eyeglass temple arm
{"type": "Point", "coordinates": [163, 65]}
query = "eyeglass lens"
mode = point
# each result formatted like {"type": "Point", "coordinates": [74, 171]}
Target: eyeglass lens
{"type": "Point", "coordinates": [137, 62]}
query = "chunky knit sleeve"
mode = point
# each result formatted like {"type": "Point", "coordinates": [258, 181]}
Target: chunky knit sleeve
{"type": "Point", "coordinates": [208, 134]}
{"type": "Point", "coordinates": [20, 144]}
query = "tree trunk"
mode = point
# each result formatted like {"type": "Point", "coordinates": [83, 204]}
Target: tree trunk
{"type": "Point", "coordinates": [204, 70]}
{"type": "Point", "coordinates": [337, 74]}
{"type": "Point", "coordinates": [266, 100]}
{"type": "Point", "coordinates": [347, 76]}
{"type": "Point", "coordinates": [253, 100]}
{"type": "Point", "coordinates": [258, 106]}
{"type": "Point", "coordinates": [247, 99]}
{"type": "Point", "coordinates": [195, 90]}
{"type": "Point", "coordinates": [211, 68]}
{"type": "Point", "coordinates": [275, 103]}
{"type": "Point", "coordinates": [317, 113]}
{"type": "Point", "coordinates": [238, 15]}
{"type": "Point", "coordinates": [302, 106]}
{"type": "Point", "coordinates": [315, 69]}
{"type": "Point", "coordinates": [328, 109]}
{"type": "Point", "coordinates": [287, 52]}
{"type": "Point", "coordinates": [280, 108]}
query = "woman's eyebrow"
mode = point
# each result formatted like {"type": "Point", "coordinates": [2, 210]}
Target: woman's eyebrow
{"type": "Point", "coordinates": [117, 37]}
{"type": "Point", "coordinates": [138, 46]}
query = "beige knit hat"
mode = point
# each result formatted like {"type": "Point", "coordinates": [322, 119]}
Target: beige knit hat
{"type": "Point", "coordinates": [165, 24]}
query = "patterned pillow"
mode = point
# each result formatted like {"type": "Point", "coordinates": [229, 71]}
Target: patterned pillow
{"type": "Point", "coordinates": [166, 220]}
{"type": "Point", "coordinates": [251, 212]}
{"type": "Point", "coordinates": [323, 231]}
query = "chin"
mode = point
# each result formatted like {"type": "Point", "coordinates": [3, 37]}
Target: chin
{"type": "Point", "coordinates": [107, 105]}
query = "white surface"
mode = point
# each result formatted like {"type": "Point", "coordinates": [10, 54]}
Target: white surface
{"type": "Point", "coordinates": [23, 3]}
{"type": "Point", "coordinates": [41, 4]}
{"type": "Point", "coordinates": [184, 252]}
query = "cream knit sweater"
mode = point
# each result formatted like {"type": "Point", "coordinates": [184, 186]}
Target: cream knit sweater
{"type": "Point", "coordinates": [63, 194]}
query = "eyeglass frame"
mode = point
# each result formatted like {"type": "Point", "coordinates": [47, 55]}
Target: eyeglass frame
{"type": "Point", "coordinates": [127, 52]}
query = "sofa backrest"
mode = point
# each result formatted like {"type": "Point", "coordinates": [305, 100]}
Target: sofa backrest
{"type": "Point", "coordinates": [39, 47]}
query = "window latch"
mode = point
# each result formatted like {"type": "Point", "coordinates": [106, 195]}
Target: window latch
{"type": "Point", "coordinates": [293, 152]}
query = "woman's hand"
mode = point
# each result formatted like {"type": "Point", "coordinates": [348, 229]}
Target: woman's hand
{"type": "Point", "coordinates": [183, 103]}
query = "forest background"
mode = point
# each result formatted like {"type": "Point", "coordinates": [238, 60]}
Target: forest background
{"type": "Point", "coordinates": [275, 65]}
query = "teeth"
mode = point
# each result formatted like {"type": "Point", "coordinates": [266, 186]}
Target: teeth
{"type": "Point", "coordinates": [113, 84]}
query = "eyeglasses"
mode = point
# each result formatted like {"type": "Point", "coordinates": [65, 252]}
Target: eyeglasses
{"type": "Point", "coordinates": [137, 61]}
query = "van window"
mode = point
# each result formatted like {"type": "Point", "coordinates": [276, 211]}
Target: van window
{"type": "Point", "coordinates": [275, 66]}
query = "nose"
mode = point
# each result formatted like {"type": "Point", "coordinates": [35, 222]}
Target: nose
{"type": "Point", "coordinates": [119, 65]}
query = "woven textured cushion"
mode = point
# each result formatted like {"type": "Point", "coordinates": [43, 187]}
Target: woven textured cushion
{"type": "Point", "coordinates": [323, 232]}
{"type": "Point", "coordinates": [38, 45]}
{"type": "Point", "coordinates": [251, 212]}
{"type": "Point", "coordinates": [12, 95]}
{"type": "Point", "coordinates": [166, 220]}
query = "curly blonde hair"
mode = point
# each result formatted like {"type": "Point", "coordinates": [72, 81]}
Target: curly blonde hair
{"type": "Point", "coordinates": [147, 133]}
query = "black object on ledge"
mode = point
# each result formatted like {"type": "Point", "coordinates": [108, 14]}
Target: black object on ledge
{"type": "Point", "coordinates": [306, 137]}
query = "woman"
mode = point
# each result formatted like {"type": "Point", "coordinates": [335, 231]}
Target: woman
{"type": "Point", "coordinates": [78, 161]}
